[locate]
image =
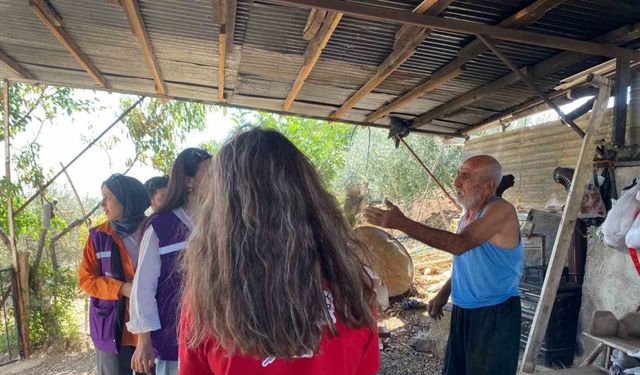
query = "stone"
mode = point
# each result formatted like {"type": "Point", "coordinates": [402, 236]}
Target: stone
{"type": "Point", "coordinates": [629, 326]}
{"type": "Point", "coordinates": [421, 342]}
{"type": "Point", "coordinates": [603, 323]}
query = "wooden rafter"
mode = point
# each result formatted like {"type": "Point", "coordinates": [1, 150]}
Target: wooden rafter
{"type": "Point", "coordinates": [132, 11]}
{"type": "Point", "coordinates": [312, 54]}
{"type": "Point", "coordinates": [529, 82]}
{"type": "Point", "coordinates": [224, 13]}
{"type": "Point", "coordinates": [558, 62]}
{"type": "Point", "coordinates": [14, 66]}
{"type": "Point", "coordinates": [408, 38]}
{"type": "Point", "coordinates": [523, 17]}
{"type": "Point", "coordinates": [54, 24]}
{"type": "Point", "coordinates": [377, 13]}
{"type": "Point", "coordinates": [429, 85]}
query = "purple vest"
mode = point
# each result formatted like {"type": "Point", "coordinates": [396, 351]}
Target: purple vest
{"type": "Point", "coordinates": [172, 235]}
{"type": "Point", "coordinates": [106, 316]}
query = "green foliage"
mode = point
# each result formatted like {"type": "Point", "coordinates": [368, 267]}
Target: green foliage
{"type": "Point", "coordinates": [323, 143]}
{"type": "Point", "coordinates": [52, 319]}
{"type": "Point", "coordinates": [374, 161]}
{"type": "Point", "coordinates": [157, 126]}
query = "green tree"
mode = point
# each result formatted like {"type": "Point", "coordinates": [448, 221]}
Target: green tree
{"type": "Point", "coordinates": [373, 160]}
{"type": "Point", "coordinates": [325, 144]}
{"type": "Point", "coordinates": [157, 126]}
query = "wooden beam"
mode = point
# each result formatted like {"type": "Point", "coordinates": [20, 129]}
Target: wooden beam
{"type": "Point", "coordinates": [408, 39]}
{"type": "Point", "coordinates": [314, 21]}
{"type": "Point", "coordinates": [14, 66]}
{"type": "Point", "coordinates": [44, 12]}
{"type": "Point", "coordinates": [312, 54]}
{"type": "Point", "coordinates": [516, 112]}
{"type": "Point", "coordinates": [491, 45]}
{"type": "Point", "coordinates": [621, 93]}
{"type": "Point", "coordinates": [22, 314]}
{"type": "Point", "coordinates": [523, 17]}
{"type": "Point", "coordinates": [224, 13]}
{"type": "Point", "coordinates": [429, 85]}
{"type": "Point", "coordinates": [222, 58]}
{"type": "Point", "coordinates": [132, 11]}
{"type": "Point", "coordinates": [567, 226]}
{"type": "Point", "coordinates": [558, 62]}
{"type": "Point", "coordinates": [466, 27]}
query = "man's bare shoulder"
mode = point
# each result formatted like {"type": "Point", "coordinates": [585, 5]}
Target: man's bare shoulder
{"type": "Point", "coordinates": [502, 208]}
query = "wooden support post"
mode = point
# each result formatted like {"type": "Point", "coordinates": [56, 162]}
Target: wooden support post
{"type": "Point", "coordinates": [53, 23]}
{"type": "Point", "coordinates": [222, 57]}
{"type": "Point", "coordinates": [311, 55]}
{"type": "Point", "coordinates": [583, 172]}
{"type": "Point", "coordinates": [415, 156]}
{"type": "Point", "coordinates": [620, 88]}
{"type": "Point", "coordinates": [524, 77]}
{"type": "Point", "coordinates": [22, 312]}
{"type": "Point", "coordinates": [132, 11]}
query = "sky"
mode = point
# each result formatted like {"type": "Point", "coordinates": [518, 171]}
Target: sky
{"type": "Point", "coordinates": [67, 136]}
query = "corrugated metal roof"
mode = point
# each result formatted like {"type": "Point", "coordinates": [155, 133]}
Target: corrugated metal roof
{"type": "Point", "coordinates": [269, 47]}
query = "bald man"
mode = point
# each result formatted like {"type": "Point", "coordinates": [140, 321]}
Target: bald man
{"type": "Point", "coordinates": [484, 336]}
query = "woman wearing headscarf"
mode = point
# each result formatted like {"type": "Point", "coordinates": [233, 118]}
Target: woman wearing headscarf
{"type": "Point", "coordinates": [108, 262]}
{"type": "Point", "coordinates": [155, 293]}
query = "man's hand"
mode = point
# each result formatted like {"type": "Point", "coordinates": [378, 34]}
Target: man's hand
{"type": "Point", "coordinates": [434, 308]}
{"type": "Point", "coordinates": [392, 218]}
{"type": "Point", "coordinates": [125, 290]}
{"type": "Point", "coordinates": [143, 358]}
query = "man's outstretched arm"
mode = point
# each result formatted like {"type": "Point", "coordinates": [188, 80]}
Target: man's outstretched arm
{"type": "Point", "coordinates": [471, 236]}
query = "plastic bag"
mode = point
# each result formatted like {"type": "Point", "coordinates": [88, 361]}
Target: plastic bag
{"type": "Point", "coordinates": [623, 361]}
{"type": "Point", "coordinates": [632, 239]}
{"type": "Point", "coordinates": [620, 218]}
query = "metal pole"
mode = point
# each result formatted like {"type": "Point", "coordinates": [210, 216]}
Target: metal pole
{"type": "Point", "coordinates": [24, 332]}
{"type": "Point", "coordinates": [415, 156]}
{"type": "Point", "coordinates": [42, 188]}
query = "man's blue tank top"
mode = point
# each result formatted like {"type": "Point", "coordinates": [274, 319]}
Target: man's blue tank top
{"type": "Point", "coordinates": [486, 275]}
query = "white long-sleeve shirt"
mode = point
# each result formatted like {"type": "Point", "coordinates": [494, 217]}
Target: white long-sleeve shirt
{"type": "Point", "coordinates": [143, 307]}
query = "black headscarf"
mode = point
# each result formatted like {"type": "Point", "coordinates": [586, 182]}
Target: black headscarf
{"type": "Point", "coordinates": [133, 197]}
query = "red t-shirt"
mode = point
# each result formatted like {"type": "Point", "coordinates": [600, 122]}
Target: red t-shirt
{"type": "Point", "coordinates": [352, 352]}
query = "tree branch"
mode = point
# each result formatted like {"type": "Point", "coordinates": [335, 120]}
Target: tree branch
{"type": "Point", "coordinates": [66, 230]}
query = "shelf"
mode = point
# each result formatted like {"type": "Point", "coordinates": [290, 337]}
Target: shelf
{"type": "Point", "coordinates": [631, 345]}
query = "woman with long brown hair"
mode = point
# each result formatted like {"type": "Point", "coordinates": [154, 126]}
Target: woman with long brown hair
{"type": "Point", "coordinates": [155, 291]}
{"type": "Point", "coordinates": [271, 281]}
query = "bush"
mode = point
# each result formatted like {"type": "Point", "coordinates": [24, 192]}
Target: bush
{"type": "Point", "coordinates": [52, 320]}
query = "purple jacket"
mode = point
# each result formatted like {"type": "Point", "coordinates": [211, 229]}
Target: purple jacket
{"type": "Point", "coordinates": [106, 317]}
{"type": "Point", "coordinates": [172, 235]}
